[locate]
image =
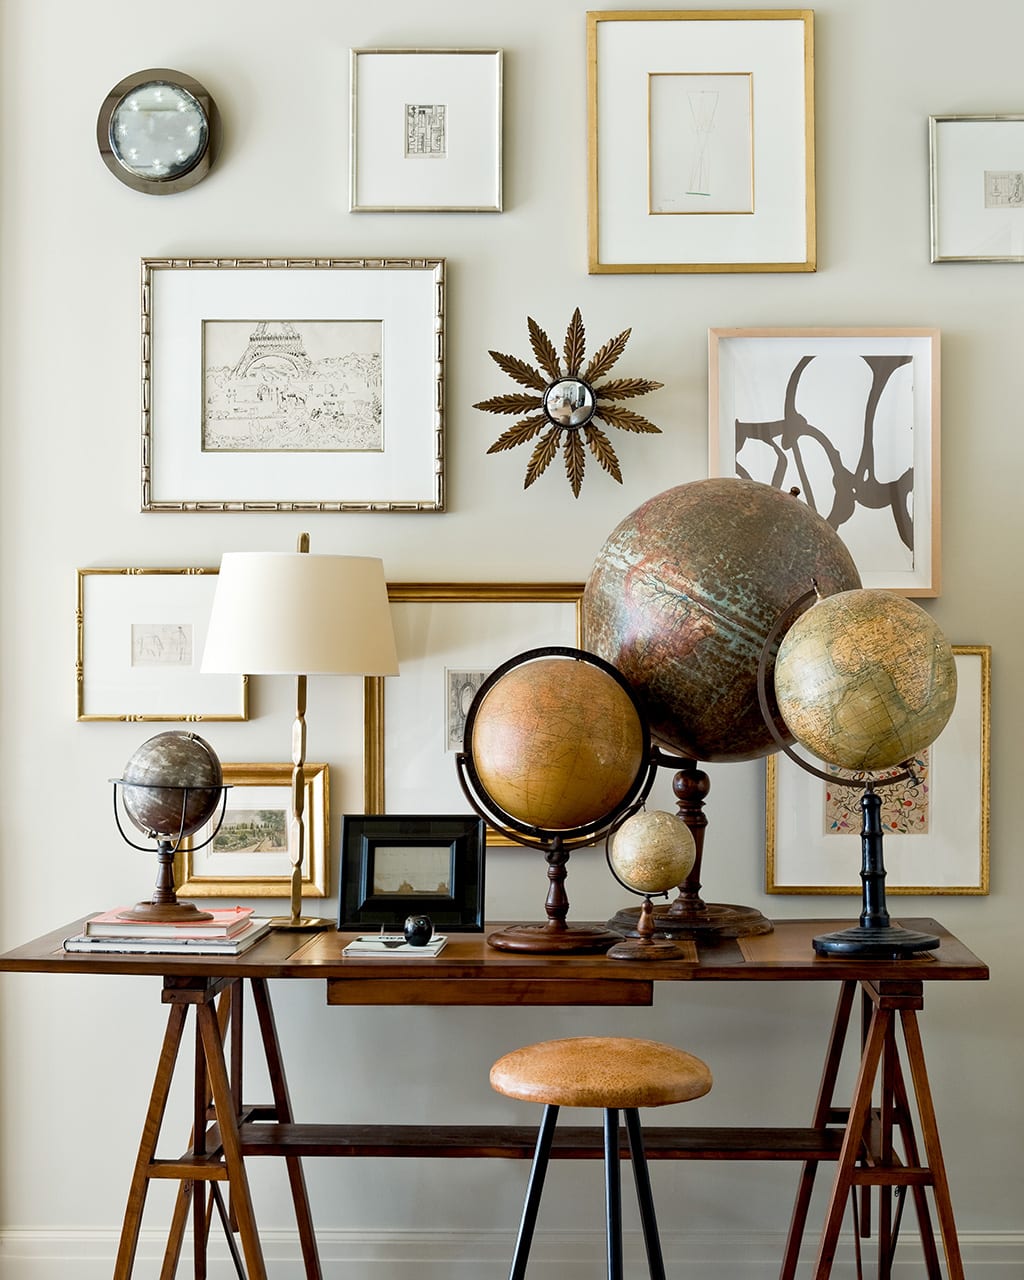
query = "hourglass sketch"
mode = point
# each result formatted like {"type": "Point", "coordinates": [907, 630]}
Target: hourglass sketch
{"type": "Point", "coordinates": [700, 144]}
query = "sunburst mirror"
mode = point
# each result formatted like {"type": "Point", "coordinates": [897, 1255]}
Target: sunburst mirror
{"type": "Point", "coordinates": [570, 402]}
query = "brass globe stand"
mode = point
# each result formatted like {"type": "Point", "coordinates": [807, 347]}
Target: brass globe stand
{"type": "Point", "coordinates": [689, 916]}
{"type": "Point", "coordinates": [874, 936]}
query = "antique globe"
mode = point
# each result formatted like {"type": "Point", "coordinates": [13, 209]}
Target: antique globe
{"type": "Point", "coordinates": [170, 788]}
{"type": "Point", "coordinates": [556, 750]}
{"type": "Point", "coordinates": [680, 599]}
{"type": "Point", "coordinates": [865, 680]}
{"type": "Point", "coordinates": [650, 853]}
{"type": "Point", "coordinates": [684, 592]}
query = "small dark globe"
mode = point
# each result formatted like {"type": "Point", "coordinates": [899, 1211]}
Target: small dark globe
{"type": "Point", "coordinates": [684, 594]}
{"type": "Point", "coordinates": [155, 778]}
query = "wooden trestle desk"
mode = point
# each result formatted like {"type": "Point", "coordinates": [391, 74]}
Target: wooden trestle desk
{"type": "Point", "coordinates": [857, 1138]}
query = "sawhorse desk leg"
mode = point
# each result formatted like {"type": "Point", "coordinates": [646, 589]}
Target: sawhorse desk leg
{"type": "Point", "coordinates": [867, 1156]}
{"type": "Point", "coordinates": [225, 1164]}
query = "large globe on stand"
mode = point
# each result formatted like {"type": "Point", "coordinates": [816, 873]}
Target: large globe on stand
{"type": "Point", "coordinates": [681, 599]}
{"type": "Point", "coordinates": [865, 680]}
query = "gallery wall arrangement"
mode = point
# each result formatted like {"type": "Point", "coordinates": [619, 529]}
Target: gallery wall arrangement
{"type": "Point", "coordinates": [409, 272]}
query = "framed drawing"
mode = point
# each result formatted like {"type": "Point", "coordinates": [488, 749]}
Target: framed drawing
{"type": "Point", "coordinates": [701, 140]}
{"type": "Point", "coordinates": [936, 833]}
{"type": "Point", "coordinates": [426, 131]}
{"type": "Point", "coordinates": [250, 856]}
{"type": "Point", "coordinates": [140, 638]}
{"type": "Point", "coordinates": [850, 417]}
{"type": "Point", "coordinates": [292, 384]}
{"type": "Point", "coordinates": [449, 636]}
{"type": "Point", "coordinates": [392, 867]}
{"type": "Point", "coordinates": [976, 171]}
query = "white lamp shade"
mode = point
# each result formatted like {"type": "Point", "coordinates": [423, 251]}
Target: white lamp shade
{"type": "Point", "coordinates": [293, 613]}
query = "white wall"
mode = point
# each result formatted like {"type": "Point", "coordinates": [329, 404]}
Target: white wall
{"type": "Point", "coordinates": [77, 1055]}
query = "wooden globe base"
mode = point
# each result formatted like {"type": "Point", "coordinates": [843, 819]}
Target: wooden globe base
{"type": "Point", "coordinates": [165, 913]}
{"type": "Point", "coordinates": [696, 920]}
{"type": "Point", "coordinates": [648, 949]}
{"type": "Point", "coordinates": [553, 938]}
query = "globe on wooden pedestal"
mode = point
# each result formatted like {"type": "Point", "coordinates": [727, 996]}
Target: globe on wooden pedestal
{"type": "Point", "coordinates": [556, 750]}
{"type": "Point", "coordinates": [684, 593]}
{"type": "Point", "coordinates": [557, 744]}
{"type": "Point", "coordinates": [865, 680]}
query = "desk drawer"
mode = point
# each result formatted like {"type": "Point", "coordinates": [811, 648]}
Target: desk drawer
{"type": "Point", "coordinates": [488, 991]}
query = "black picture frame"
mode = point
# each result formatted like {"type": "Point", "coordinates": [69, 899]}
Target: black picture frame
{"type": "Point", "coordinates": [378, 848]}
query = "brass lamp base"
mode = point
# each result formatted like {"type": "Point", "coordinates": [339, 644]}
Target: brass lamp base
{"type": "Point", "coordinates": [300, 924]}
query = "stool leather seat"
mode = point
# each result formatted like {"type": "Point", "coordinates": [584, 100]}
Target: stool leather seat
{"type": "Point", "coordinates": [601, 1071]}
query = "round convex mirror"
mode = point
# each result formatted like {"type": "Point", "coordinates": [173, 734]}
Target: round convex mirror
{"type": "Point", "coordinates": [569, 402]}
{"type": "Point", "coordinates": [156, 131]}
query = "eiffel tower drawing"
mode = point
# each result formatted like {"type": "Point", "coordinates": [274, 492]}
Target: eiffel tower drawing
{"type": "Point", "coordinates": [276, 343]}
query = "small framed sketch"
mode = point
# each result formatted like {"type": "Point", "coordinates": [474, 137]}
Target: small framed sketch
{"type": "Point", "coordinates": [935, 829]}
{"type": "Point", "coordinates": [250, 856]}
{"type": "Point", "coordinates": [450, 637]}
{"type": "Point", "coordinates": [426, 131]}
{"type": "Point", "coordinates": [701, 140]}
{"type": "Point", "coordinates": [850, 418]}
{"type": "Point", "coordinates": [293, 384]}
{"type": "Point", "coordinates": [392, 867]}
{"type": "Point", "coordinates": [140, 639]}
{"type": "Point", "coordinates": [976, 166]}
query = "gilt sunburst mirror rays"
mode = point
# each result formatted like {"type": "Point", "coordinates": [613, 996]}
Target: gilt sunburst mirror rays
{"type": "Point", "coordinates": [568, 404]}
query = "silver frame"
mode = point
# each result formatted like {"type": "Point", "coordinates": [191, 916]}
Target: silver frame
{"type": "Point", "coordinates": [433, 497]}
{"type": "Point", "coordinates": [933, 123]}
{"type": "Point", "coordinates": [354, 206]}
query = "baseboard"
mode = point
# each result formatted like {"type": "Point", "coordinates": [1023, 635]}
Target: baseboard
{"type": "Point", "coordinates": [448, 1255]}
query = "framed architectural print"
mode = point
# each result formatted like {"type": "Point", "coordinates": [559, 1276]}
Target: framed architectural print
{"type": "Point", "coordinates": [850, 418]}
{"type": "Point", "coordinates": [426, 131]}
{"type": "Point", "coordinates": [395, 866]}
{"type": "Point", "coordinates": [976, 166]}
{"type": "Point", "coordinates": [935, 829]}
{"type": "Point", "coordinates": [293, 384]}
{"type": "Point", "coordinates": [701, 140]}
{"type": "Point", "coordinates": [140, 639]}
{"type": "Point", "coordinates": [250, 856]}
{"type": "Point", "coordinates": [450, 637]}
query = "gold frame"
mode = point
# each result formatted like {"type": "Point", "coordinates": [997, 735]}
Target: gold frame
{"type": "Point", "coordinates": [448, 593]}
{"type": "Point", "coordinates": [596, 265]}
{"type": "Point", "coordinates": [984, 652]}
{"type": "Point", "coordinates": [317, 818]}
{"type": "Point", "coordinates": [130, 716]}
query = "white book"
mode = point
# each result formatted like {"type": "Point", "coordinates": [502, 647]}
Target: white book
{"type": "Point", "coordinates": [232, 946]}
{"type": "Point", "coordinates": [392, 944]}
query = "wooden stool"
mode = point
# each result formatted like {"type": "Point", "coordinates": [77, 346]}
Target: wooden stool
{"type": "Point", "coordinates": [615, 1074]}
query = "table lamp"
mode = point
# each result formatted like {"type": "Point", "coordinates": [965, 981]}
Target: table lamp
{"type": "Point", "coordinates": [292, 613]}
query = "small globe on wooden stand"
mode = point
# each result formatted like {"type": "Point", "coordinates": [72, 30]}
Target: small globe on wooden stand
{"type": "Point", "coordinates": [169, 789]}
{"type": "Point", "coordinates": [555, 752]}
{"type": "Point", "coordinates": [650, 853]}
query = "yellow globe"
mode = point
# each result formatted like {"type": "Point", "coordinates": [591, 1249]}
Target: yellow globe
{"type": "Point", "coordinates": [652, 852]}
{"type": "Point", "coordinates": [557, 743]}
{"type": "Point", "coordinates": [865, 679]}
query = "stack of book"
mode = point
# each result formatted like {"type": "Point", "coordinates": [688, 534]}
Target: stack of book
{"type": "Point", "coordinates": [230, 932]}
{"type": "Point", "coordinates": [392, 944]}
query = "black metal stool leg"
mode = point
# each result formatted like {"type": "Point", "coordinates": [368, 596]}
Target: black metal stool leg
{"type": "Point", "coordinates": [613, 1193]}
{"type": "Point", "coordinates": [642, 1177]}
{"type": "Point", "coordinates": [535, 1186]}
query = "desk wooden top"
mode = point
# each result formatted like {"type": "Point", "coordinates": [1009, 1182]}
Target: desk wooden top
{"type": "Point", "coordinates": [469, 972]}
